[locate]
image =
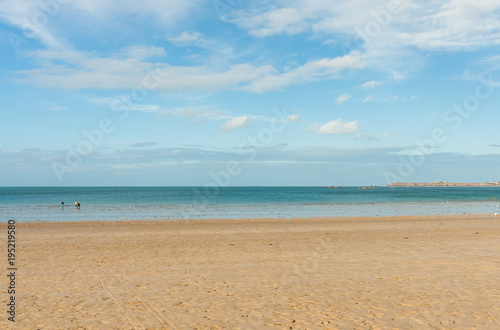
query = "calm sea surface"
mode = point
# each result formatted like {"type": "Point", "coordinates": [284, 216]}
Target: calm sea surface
{"type": "Point", "coordinates": [132, 203]}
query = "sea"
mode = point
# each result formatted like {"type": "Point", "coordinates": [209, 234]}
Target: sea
{"type": "Point", "coordinates": [25, 204]}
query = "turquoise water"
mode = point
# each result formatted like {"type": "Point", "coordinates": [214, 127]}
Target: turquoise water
{"type": "Point", "coordinates": [132, 203]}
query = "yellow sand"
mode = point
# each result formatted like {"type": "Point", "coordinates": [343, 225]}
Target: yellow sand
{"type": "Point", "coordinates": [440, 272]}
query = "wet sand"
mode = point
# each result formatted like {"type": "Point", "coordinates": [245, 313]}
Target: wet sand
{"type": "Point", "coordinates": [384, 273]}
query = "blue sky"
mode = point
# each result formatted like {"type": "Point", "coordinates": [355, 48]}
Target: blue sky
{"type": "Point", "coordinates": [231, 92]}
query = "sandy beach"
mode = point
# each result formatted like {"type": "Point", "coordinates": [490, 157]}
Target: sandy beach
{"type": "Point", "coordinates": [384, 273]}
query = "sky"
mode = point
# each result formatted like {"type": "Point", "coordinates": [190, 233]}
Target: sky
{"type": "Point", "coordinates": [233, 92]}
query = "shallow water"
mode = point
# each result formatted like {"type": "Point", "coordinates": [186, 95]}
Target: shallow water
{"type": "Point", "coordinates": [133, 203]}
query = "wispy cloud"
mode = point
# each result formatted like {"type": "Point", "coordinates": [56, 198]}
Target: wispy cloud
{"type": "Point", "coordinates": [233, 124]}
{"type": "Point", "coordinates": [380, 136]}
{"type": "Point", "coordinates": [193, 113]}
{"type": "Point", "coordinates": [394, 98]}
{"type": "Point", "coordinates": [131, 106]}
{"type": "Point", "coordinates": [143, 144]}
{"type": "Point", "coordinates": [186, 39]}
{"type": "Point", "coordinates": [81, 70]}
{"type": "Point", "coordinates": [53, 107]}
{"type": "Point", "coordinates": [457, 25]}
{"type": "Point", "coordinates": [371, 84]}
{"type": "Point", "coordinates": [449, 25]}
{"type": "Point", "coordinates": [342, 98]}
{"type": "Point", "coordinates": [20, 14]}
{"type": "Point", "coordinates": [293, 118]}
{"type": "Point", "coordinates": [324, 69]}
{"type": "Point", "coordinates": [336, 126]}
{"type": "Point", "coordinates": [41, 20]}
{"type": "Point", "coordinates": [445, 26]}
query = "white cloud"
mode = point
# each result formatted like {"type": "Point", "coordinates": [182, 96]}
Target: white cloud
{"type": "Point", "coordinates": [431, 25]}
{"type": "Point", "coordinates": [342, 98]}
{"type": "Point", "coordinates": [233, 124]}
{"type": "Point", "coordinates": [45, 20]}
{"type": "Point", "coordinates": [371, 84]}
{"type": "Point", "coordinates": [395, 47]}
{"type": "Point", "coordinates": [169, 10]}
{"type": "Point", "coordinates": [141, 52]}
{"type": "Point", "coordinates": [191, 39]}
{"type": "Point", "coordinates": [80, 70]}
{"type": "Point", "coordinates": [326, 68]}
{"type": "Point", "coordinates": [455, 25]}
{"type": "Point", "coordinates": [293, 118]}
{"type": "Point", "coordinates": [50, 106]}
{"type": "Point", "coordinates": [335, 127]}
{"type": "Point", "coordinates": [395, 98]}
{"type": "Point", "coordinates": [112, 102]}
{"type": "Point", "coordinates": [491, 62]}
{"type": "Point", "coordinates": [127, 69]}
{"type": "Point", "coordinates": [193, 113]}
{"type": "Point", "coordinates": [144, 107]}
{"type": "Point", "coordinates": [298, 16]}
{"type": "Point", "coordinates": [20, 14]}
{"type": "Point", "coordinates": [288, 20]}
{"type": "Point", "coordinates": [371, 137]}
{"type": "Point", "coordinates": [380, 136]}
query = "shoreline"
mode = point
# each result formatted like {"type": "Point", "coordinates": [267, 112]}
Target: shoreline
{"type": "Point", "coordinates": [32, 223]}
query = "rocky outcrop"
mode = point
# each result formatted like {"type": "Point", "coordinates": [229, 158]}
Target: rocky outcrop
{"type": "Point", "coordinates": [444, 184]}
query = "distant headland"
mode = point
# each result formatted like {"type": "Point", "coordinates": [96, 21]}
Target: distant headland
{"type": "Point", "coordinates": [444, 184]}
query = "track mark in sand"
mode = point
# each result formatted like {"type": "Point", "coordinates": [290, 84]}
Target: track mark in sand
{"type": "Point", "coordinates": [132, 304]}
{"type": "Point", "coordinates": [157, 315]}
{"type": "Point", "coordinates": [105, 283]}
{"type": "Point", "coordinates": [494, 313]}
